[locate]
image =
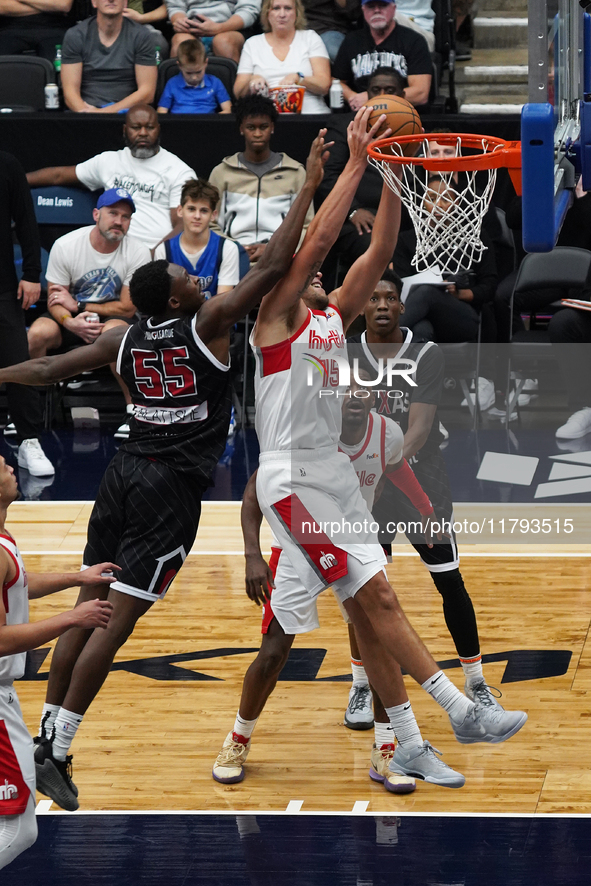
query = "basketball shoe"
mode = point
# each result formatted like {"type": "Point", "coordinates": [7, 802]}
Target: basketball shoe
{"type": "Point", "coordinates": [359, 713]}
{"type": "Point", "coordinates": [54, 777]}
{"type": "Point", "coordinates": [380, 771]}
{"type": "Point", "coordinates": [422, 762]}
{"type": "Point", "coordinates": [488, 721]}
{"type": "Point", "coordinates": [482, 693]}
{"type": "Point", "coordinates": [228, 768]}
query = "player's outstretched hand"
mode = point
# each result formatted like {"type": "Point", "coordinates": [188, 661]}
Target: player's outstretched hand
{"type": "Point", "coordinates": [433, 529]}
{"type": "Point", "coordinates": [101, 574]}
{"type": "Point", "coordinates": [317, 157]}
{"type": "Point", "coordinates": [259, 579]}
{"type": "Point", "coordinates": [93, 614]}
{"type": "Point", "coordinates": [359, 137]}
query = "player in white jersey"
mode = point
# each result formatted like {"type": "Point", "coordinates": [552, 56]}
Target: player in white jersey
{"type": "Point", "coordinates": [18, 828]}
{"type": "Point", "coordinates": [378, 440]}
{"type": "Point", "coordinates": [307, 490]}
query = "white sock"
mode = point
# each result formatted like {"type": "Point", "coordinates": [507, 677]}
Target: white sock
{"type": "Point", "coordinates": [404, 724]}
{"type": "Point", "coordinates": [48, 716]}
{"type": "Point", "coordinates": [358, 671]}
{"type": "Point", "coordinates": [66, 725]}
{"type": "Point", "coordinates": [243, 727]}
{"type": "Point", "coordinates": [472, 668]}
{"type": "Point", "coordinates": [383, 734]}
{"type": "Point", "coordinates": [445, 694]}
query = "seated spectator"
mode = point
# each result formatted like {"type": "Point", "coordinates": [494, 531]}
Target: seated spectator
{"type": "Point", "coordinates": [570, 331]}
{"type": "Point", "coordinates": [355, 234]}
{"type": "Point", "coordinates": [286, 54]}
{"type": "Point", "coordinates": [256, 186]}
{"type": "Point", "coordinates": [449, 314]}
{"type": "Point", "coordinates": [88, 273]}
{"type": "Point", "coordinates": [193, 91]}
{"type": "Point", "coordinates": [38, 26]}
{"type": "Point", "coordinates": [418, 15]}
{"type": "Point", "coordinates": [383, 43]}
{"type": "Point", "coordinates": [152, 175]}
{"type": "Point", "coordinates": [153, 20]}
{"type": "Point", "coordinates": [214, 259]}
{"type": "Point", "coordinates": [219, 23]}
{"type": "Point", "coordinates": [331, 19]}
{"type": "Point", "coordinates": [108, 62]}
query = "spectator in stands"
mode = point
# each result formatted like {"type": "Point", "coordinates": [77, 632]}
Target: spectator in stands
{"type": "Point", "coordinates": [152, 175]}
{"type": "Point", "coordinates": [152, 19]}
{"type": "Point", "coordinates": [256, 186]}
{"type": "Point", "coordinates": [449, 313]}
{"type": "Point", "coordinates": [205, 254]}
{"type": "Point", "coordinates": [219, 23]}
{"type": "Point", "coordinates": [419, 16]}
{"type": "Point", "coordinates": [108, 62]}
{"type": "Point", "coordinates": [88, 273]}
{"type": "Point", "coordinates": [38, 26]}
{"type": "Point", "coordinates": [286, 54]}
{"type": "Point", "coordinates": [24, 405]}
{"type": "Point", "coordinates": [331, 19]}
{"type": "Point", "coordinates": [355, 234]}
{"type": "Point", "coordinates": [383, 43]}
{"type": "Point", "coordinates": [570, 332]}
{"type": "Point", "coordinates": [193, 91]}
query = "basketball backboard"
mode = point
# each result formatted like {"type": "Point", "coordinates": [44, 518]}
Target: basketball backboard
{"type": "Point", "coordinates": [556, 121]}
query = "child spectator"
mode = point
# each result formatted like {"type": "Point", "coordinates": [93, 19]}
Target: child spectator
{"type": "Point", "coordinates": [204, 254]}
{"type": "Point", "coordinates": [193, 91]}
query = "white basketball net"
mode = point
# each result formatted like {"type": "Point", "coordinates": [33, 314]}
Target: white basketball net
{"type": "Point", "coordinates": [448, 233]}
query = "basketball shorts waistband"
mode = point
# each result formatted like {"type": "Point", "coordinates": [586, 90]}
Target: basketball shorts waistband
{"type": "Point", "coordinates": [299, 455]}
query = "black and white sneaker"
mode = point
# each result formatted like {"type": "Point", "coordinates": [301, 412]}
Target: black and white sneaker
{"type": "Point", "coordinates": [54, 777]}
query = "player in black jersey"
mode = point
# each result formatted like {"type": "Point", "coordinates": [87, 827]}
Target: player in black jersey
{"type": "Point", "coordinates": [175, 363]}
{"type": "Point", "coordinates": [415, 410]}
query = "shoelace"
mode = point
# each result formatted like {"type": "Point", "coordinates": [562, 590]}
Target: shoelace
{"type": "Point", "coordinates": [360, 699]}
{"type": "Point", "coordinates": [483, 692]}
{"type": "Point", "coordinates": [232, 753]}
{"type": "Point", "coordinates": [429, 749]}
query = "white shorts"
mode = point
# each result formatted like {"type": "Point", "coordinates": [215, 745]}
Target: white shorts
{"type": "Point", "coordinates": [314, 506]}
{"type": "Point", "coordinates": [17, 764]}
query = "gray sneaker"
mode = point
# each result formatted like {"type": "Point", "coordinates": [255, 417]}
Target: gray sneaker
{"type": "Point", "coordinates": [422, 762]}
{"type": "Point", "coordinates": [483, 693]}
{"type": "Point", "coordinates": [488, 722]}
{"type": "Point", "coordinates": [359, 713]}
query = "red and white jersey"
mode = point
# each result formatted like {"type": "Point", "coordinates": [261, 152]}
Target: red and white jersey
{"type": "Point", "coordinates": [15, 597]}
{"type": "Point", "coordinates": [298, 395]}
{"type": "Point", "coordinates": [381, 446]}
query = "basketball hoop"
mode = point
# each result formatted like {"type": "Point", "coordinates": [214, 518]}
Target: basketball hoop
{"type": "Point", "coordinates": [446, 209]}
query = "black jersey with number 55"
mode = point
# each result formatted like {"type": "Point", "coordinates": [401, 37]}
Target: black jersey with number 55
{"type": "Point", "coordinates": [181, 396]}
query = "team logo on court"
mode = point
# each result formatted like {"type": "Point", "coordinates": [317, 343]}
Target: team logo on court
{"type": "Point", "coordinates": [327, 561]}
{"type": "Point", "coordinates": [8, 791]}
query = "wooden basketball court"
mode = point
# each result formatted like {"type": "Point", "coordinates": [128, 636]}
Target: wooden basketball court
{"type": "Point", "coordinates": [149, 740]}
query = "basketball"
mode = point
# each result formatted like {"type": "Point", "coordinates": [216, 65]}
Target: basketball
{"type": "Point", "coordinates": [401, 117]}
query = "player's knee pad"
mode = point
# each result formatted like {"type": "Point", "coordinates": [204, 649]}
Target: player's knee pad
{"type": "Point", "coordinates": [17, 833]}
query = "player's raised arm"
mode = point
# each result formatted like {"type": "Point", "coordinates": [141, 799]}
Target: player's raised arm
{"type": "Point", "coordinates": [364, 275]}
{"type": "Point", "coordinates": [219, 314]}
{"type": "Point", "coordinates": [324, 229]}
{"type": "Point", "coordinates": [47, 370]}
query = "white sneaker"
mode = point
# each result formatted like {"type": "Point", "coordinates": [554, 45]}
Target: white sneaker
{"type": "Point", "coordinates": [10, 430]}
{"type": "Point", "coordinates": [122, 432]}
{"type": "Point", "coordinates": [578, 425]}
{"type": "Point", "coordinates": [531, 384]}
{"type": "Point", "coordinates": [359, 713]}
{"type": "Point", "coordinates": [32, 457]}
{"type": "Point", "coordinates": [486, 394]}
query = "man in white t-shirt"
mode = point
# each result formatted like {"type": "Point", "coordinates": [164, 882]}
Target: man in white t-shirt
{"type": "Point", "coordinates": [153, 176]}
{"type": "Point", "coordinates": [88, 276]}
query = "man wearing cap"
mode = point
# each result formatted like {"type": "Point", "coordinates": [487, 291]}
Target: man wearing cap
{"type": "Point", "coordinates": [88, 276]}
{"type": "Point", "coordinates": [152, 175]}
{"type": "Point", "coordinates": [382, 43]}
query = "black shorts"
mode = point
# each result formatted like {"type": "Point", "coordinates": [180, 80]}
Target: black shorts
{"type": "Point", "coordinates": [393, 508]}
{"type": "Point", "coordinates": [145, 520]}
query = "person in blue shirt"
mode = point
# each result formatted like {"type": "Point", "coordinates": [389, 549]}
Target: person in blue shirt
{"type": "Point", "coordinates": [194, 91]}
{"type": "Point", "coordinates": [204, 254]}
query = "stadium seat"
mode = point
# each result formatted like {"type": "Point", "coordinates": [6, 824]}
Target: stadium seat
{"type": "Point", "coordinates": [223, 68]}
{"type": "Point", "coordinates": [23, 80]}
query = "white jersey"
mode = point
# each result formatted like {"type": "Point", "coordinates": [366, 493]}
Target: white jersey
{"type": "Point", "coordinates": [381, 446]}
{"type": "Point", "coordinates": [297, 390]}
{"type": "Point", "coordinates": [15, 597]}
